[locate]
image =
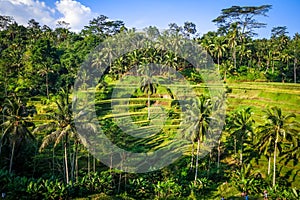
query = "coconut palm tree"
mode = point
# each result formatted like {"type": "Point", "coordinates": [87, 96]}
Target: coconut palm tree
{"type": "Point", "coordinates": [219, 47]}
{"type": "Point", "coordinates": [232, 37]}
{"type": "Point", "coordinates": [242, 128]}
{"type": "Point", "coordinates": [279, 128]}
{"type": "Point", "coordinates": [198, 117]}
{"type": "Point", "coordinates": [63, 128]}
{"type": "Point", "coordinates": [16, 125]}
{"type": "Point", "coordinates": [295, 44]}
{"type": "Point", "coordinates": [148, 83]}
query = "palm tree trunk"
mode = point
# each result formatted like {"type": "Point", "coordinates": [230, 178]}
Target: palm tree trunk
{"type": "Point", "coordinates": [272, 66]}
{"type": "Point", "coordinates": [295, 70]}
{"type": "Point", "coordinates": [274, 164]}
{"type": "Point", "coordinates": [269, 165]}
{"type": "Point", "coordinates": [94, 164]}
{"type": "Point", "coordinates": [76, 167]}
{"type": "Point", "coordinates": [73, 161]}
{"type": "Point", "coordinates": [197, 159]}
{"type": "Point", "coordinates": [47, 87]}
{"type": "Point", "coordinates": [192, 159]}
{"type": "Point", "coordinates": [234, 57]}
{"type": "Point", "coordinates": [120, 177]}
{"type": "Point", "coordinates": [66, 160]}
{"type": "Point", "coordinates": [89, 165]}
{"type": "Point", "coordinates": [12, 156]}
{"type": "Point", "coordinates": [241, 154]}
{"type": "Point", "coordinates": [219, 155]}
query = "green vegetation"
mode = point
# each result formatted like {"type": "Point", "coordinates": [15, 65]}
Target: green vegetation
{"type": "Point", "coordinates": [42, 156]}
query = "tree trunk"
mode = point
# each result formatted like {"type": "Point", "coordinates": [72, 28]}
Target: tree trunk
{"type": "Point", "coordinates": [12, 156]}
{"type": "Point", "coordinates": [89, 165]}
{"type": "Point", "coordinates": [295, 70]}
{"type": "Point", "coordinates": [94, 164]}
{"type": "Point", "coordinates": [73, 161]}
{"type": "Point", "coordinates": [268, 63]}
{"type": "Point", "coordinates": [47, 87]}
{"type": "Point", "coordinates": [192, 160]}
{"type": "Point", "coordinates": [120, 177]}
{"type": "Point", "coordinates": [66, 160]}
{"type": "Point", "coordinates": [219, 155]}
{"type": "Point", "coordinates": [241, 154]}
{"type": "Point", "coordinates": [272, 66]}
{"type": "Point", "coordinates": [234, 57]}
{"type": "Point", "coordinates": [274, 162]}
{"type": "Point", "coordinates": [197, 159]}
{"type": "Point", "coordinates": [269, 165]}
{"type": "Point", "coordinates": [218, 63]}
{"type": "Point", "coordinates": [76, 167]}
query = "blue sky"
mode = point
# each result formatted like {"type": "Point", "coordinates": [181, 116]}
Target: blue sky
{"type": "Point", "coordinates": [143, 13]}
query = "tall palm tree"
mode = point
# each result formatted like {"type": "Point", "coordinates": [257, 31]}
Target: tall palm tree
{"type": "Point", "coordinates": [171, 61]}
{"type": "Point", "coordinates": [207, 43]}
{"type": "Point", "coordinates": [232, 37]}
{"type": "Point", "coordinates": [285, 57]}
{"type": "Point", "coordinates": [242, 128]}
{"type": "Point", "coordinates": [148, 83]}
{"type": "Point", "coordinates": [295, 44]}
{"type": "Point", "coordinates": [64, 128]}
{"type": "Point", "coordinates": [278, 129]}
{"type": "Point", "coordinates": [198, 117]}
{"type": "Point", "coordinates": [16, 124]}
{"type": "Point", "coordinates": [219, 47]}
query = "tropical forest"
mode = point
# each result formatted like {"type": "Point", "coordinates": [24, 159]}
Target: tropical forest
{"type": "Point", "coordinates": [236, 123]}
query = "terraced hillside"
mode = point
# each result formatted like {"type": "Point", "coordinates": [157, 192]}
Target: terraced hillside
{"type": "Point", "coordinates": [262, 95]}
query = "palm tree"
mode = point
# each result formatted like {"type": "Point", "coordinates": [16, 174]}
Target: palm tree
{"type": "Point", "coordinates": [64, 127]}
{"type": "Point", "coordinates": [219, 47]}
{"type": "Point", "coordinates": [285, 57]}
{"type": "Point", "coordinates": [148, 83]}
{"type": "Point", "coordinates": [266, 148]}
{"type": "Point", "coordinates": [242, 127]}
{"type": "Point", "coordinates": [206, 43]}
{"type": "Point", "coordinates": [198, 117]}
{"type": "Point", "coordinates": [232, 41]}
{"type": "Point", "coordinates": [16, 123]}
{"type": "Point", "coordinates": [171, 61]}
{"type": "Point", "coordinates": [296, 42]}
{"type": "Point", "coordinates": [276, 130]}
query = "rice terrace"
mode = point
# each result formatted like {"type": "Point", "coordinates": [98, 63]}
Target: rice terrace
{"type": "Point", "coordinates": [156, 100]}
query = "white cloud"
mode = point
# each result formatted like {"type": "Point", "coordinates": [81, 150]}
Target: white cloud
{"type": "Point", "coordinates": [24, 10]}
{"type": "Point", "coordinates": [74, 13]}
{"type": "Point", "coordinates": [70, 11]}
